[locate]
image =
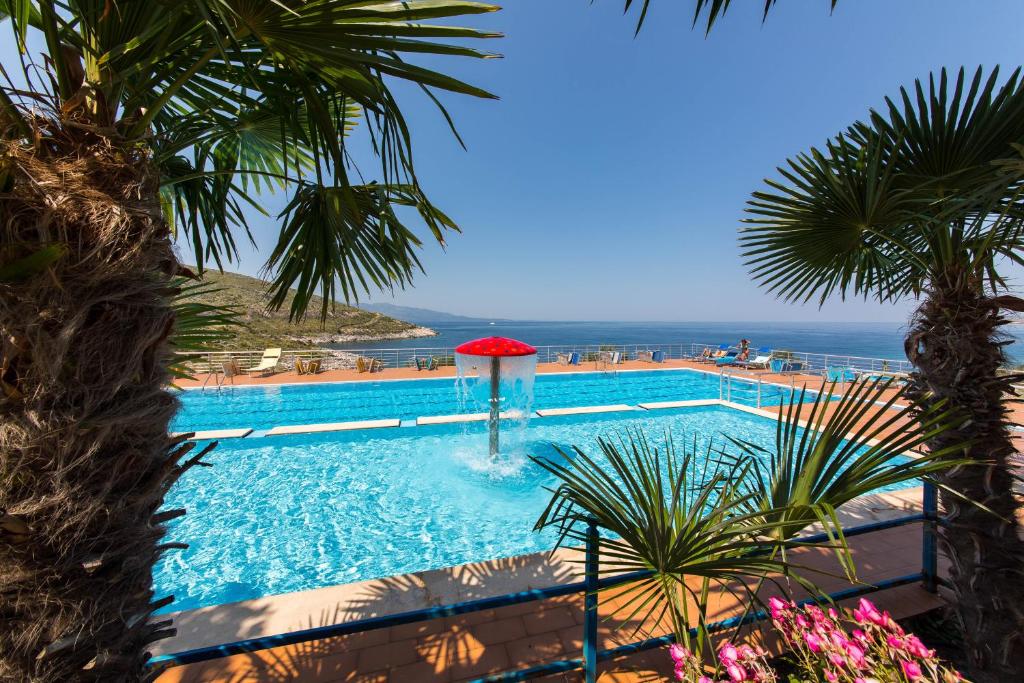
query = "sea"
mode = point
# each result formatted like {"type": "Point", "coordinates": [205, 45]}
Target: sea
{"type": "Point", "coordinates": [866, 339]}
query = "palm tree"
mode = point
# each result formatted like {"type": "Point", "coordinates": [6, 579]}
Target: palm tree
{"type": "Point", "coordinates": [146, 120]}
{"type": "Point", "coordinates": [924, 200]}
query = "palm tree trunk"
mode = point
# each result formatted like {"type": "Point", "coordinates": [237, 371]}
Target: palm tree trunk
{"type": "Point", "coordinates": [85, 456]}
{"type": "Point", "coordinates": [955, 343]}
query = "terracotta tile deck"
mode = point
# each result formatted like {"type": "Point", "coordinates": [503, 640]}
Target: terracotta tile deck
{"type": "Point", "coordinates": [466, 647]}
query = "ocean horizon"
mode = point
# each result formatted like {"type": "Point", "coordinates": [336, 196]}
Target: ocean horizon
{"type": "Point", "coordinates": [867, 339]}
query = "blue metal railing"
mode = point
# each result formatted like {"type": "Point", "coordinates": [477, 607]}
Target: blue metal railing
{"type": "Point", "coordinates": [590, 587]}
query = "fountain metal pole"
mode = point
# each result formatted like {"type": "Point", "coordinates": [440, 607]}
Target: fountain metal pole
{"type": "Point", "coordinates": [495, 417]}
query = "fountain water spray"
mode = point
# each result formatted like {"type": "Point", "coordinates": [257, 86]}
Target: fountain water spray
{"type": "Point", "coordinates": [518, 360]}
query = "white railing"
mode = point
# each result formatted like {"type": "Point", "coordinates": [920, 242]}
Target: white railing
{"type": "Point", "coordinates": [406, 357]}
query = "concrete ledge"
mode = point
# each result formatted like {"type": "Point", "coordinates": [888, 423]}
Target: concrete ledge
{"type": "Point", "coordinates": [216, 434]}
{"type": "Point", "coordinates": [466, 417]}
{"type": "Point", "coordinates": [333, 427]}
{"type": "Point", "coordinates": [585, 410]}
{"type": "Point", "coordinates": [658, 405]}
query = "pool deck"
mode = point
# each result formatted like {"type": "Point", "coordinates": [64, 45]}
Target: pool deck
{"type": "Point", "coordinates": [465, 647]}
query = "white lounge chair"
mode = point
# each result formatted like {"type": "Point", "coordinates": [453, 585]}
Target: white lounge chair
{"type": "Point", "coordinates": [761, 360]}
{"type": "Point", "coordinates": [268, 364]}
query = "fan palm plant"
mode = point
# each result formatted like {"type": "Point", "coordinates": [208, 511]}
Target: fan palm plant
{"type": "Point", "coordinates": [682, 518]}
{"type": "Point", "coordinates": [145, 120]}
{"type": "Point", "coordinates": [924, 200]}
{"type": "Point", "coordinates": [726, 520]}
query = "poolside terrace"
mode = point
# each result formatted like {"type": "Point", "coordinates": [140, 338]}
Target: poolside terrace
{"type": "Point", "coordinates": [473, 646]}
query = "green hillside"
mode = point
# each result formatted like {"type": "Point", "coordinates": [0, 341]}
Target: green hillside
{"type": "Point", "coordinates": [262, 328]}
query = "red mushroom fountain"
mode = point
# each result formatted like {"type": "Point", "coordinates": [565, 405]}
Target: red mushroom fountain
{"type": "Point", "coordinates": [495, 348]}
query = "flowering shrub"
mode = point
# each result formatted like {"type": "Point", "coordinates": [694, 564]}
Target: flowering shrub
{"type": "Point", "coordinates": [737, 663]}
{"type": "Point", "coordinates": [876, 650]}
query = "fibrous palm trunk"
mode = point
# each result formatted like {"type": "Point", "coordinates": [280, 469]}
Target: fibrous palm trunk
{"type": "Point", "coordinates": [85, 456]}
{"type": "Point", "coordinates": [955, 343]}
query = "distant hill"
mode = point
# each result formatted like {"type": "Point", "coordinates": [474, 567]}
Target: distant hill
{"type": "Point", "coordinates": [420, 315]}
{"type": "Point", "coordinates": [262, 328]}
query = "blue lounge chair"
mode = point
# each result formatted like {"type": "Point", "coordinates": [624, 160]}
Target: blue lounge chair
{"type": "Point", "coordinates": [709, 356]}
{"type": "Point", "coordinates": [658, 356]}
{"type": "Point", "coordinates": [569, 358]}
{"type": "Point", "coordinates": [728, 359]}
{"type": "Point", "coordinates": [840, 375]}
{"type": "Point", "coordinates": [782, 365]}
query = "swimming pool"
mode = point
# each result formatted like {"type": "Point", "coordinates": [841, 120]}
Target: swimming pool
{"type": "Point", "coordinates": [263, 407]}
{"type": "Point", "coordinates": [289, 513]}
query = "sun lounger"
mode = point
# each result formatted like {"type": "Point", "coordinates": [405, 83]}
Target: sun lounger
{"type": "Point", "coordinates": [423, 363]}
{"type": "Point", "coordinates": [607, 358]}
{"type": "Point", "coordinates": [645, 356]}
{"type": "Point", "coordinates": [730, 358]}
{"type": "Point", "coordinates": [572, 358]}
{"type": "Point", "coordinates": [842, 375]}
{"type": "Point", "coordinates": [268, 364]}
{"type": "Point", "coordinates": [780, 365]}
{"type": "Point", "coordinates": [761, 360]}
{"type": "Point", "coordinates": [658, 356]}
{"type": "Point", "coordinates": [368, 364]}
{"type": "Point", "coordinates": [710, 356]}
{"type": "Point", "coordinates": [307, 367]}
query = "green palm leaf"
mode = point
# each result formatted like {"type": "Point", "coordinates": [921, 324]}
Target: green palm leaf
{"type": "Point", "coordinates": [677, 516]}
{"type": "Point", "coordinates": [894, 201]}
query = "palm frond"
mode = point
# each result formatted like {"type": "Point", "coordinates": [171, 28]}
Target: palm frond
{"type": "Point", "coordinates": [677, 516]}
{"type": "Point", "coordinates": [348, 237]}
{"type": "Point", "coordinates": [198, 326]}
{"type": "Point", "coordinates": [894, 200]}
{"type": "Point", "coordinates": [853, 444]}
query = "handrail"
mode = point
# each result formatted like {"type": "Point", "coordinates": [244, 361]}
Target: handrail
{"type": "Point", "coordinates": [406, 356]}
{"type": "Point", "coordinates": [590, 586]}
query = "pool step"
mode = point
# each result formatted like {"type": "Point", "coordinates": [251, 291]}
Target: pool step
{"type": "Point", "coordinates": [333, 427]}
{"type": "Point", "coordinates": [585, 410]}
{"type": "Point", "coordinates": [658, 405]}
{"type": "Point", "coordinates": [209, 434]}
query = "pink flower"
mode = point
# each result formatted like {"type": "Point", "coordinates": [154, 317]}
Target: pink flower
{"type": "Point", "coordinates": [813, 642]}
{"type": "Point", "coordinates": [860, 635]}
{"type": "Point", "coordinates": [746, 652]}
{"type": "Point", "coordinates": [856, 655]}
{"type": "Point", "coordinates": [916, 647]}
{"type": "Point", "coordinates": [736, 672]}
{"type": "Point", "coordinates": [776, 606]}
{"type": "Point", "coordinates": [894, 642]}
{"type": "Point", "coordinates": [728, 653]}
{"type": "Point", "coordinates": [678, 653]}
{"type": "Point", "coordinates": [911, 670]}
{"type": "Point", "coordinates": [831, 677]}
{"type": "Point", "coordinates": [704, 679]}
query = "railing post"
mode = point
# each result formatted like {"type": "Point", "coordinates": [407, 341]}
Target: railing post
{"type": "Point", "coordinates": [590, 605]}
{"type": "Point", "coordinates": [759, 391]}
{"type": "Point", "coordinates": [929, 545]}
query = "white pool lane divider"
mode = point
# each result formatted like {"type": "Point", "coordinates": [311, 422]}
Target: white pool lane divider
{"type": "Point", "coordinates": [210, 434]}
{"type": "Point", "coordinates": [585, 410]}
{"type": "Point", "coordinates": [334, 427]}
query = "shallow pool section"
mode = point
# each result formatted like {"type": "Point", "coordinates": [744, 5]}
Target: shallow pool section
{"type": "Point", "coordinates": [263, 407]}
{"type": "Point", "coordinates": [282, 514]}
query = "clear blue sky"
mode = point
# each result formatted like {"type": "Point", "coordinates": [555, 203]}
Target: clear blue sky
{"type": "Point", "coordinates": [609, 180]}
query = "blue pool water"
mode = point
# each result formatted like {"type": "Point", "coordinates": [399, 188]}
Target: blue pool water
{"type": "Point", "coordinates": [281, 514]}
{"type": "Point", "coordinates": [270, 406]}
